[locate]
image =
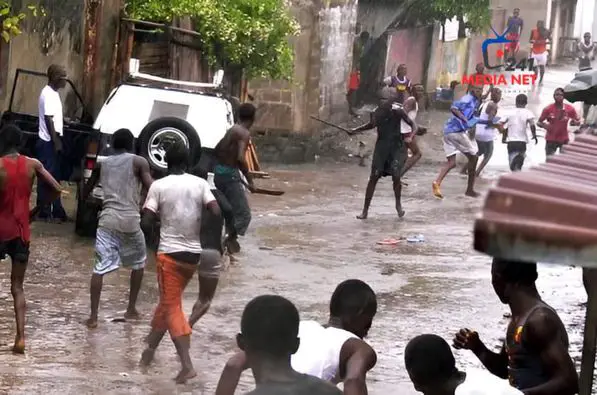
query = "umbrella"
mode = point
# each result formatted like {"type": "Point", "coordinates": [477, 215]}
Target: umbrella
{"type": "Point", "coordinates": [582, 88]}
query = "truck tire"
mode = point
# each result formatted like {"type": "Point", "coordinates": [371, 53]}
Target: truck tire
{"type": "Point", "coordinates": [86, 218]}
{"type": "Point", "coordinates": [159, 134]}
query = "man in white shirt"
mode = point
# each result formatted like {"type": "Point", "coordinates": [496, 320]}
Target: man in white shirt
{"type": "Point", "coordinates": [177, 201]}
{"type": "Point", "coordinates": [432, 369]}
{"type": "Point", "coordinates": [49, 145]}
{"type": "Point", "coordinates": [516, 135]}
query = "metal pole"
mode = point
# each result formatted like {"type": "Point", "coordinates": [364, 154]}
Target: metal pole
{"type": "Point", "coordinates": [548, 15]}
{"type": "Point", "coordinates": [589, 348]}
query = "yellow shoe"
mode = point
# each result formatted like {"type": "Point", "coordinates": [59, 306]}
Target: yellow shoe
{"type": "Point", "coordinates": [436, 191]}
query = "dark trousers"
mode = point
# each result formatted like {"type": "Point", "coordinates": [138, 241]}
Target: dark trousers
{"type": "Point", "coordinates": [51, 161]}
{"type": "Point", "coordinates": [234, 192]}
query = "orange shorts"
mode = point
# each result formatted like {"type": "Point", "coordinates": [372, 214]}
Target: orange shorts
{"type": "Point", "coordinates": [173, 278]}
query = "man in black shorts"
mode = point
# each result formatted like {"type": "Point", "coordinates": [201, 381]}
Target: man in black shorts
{"type": "Point", "coordinates": [390, 153]}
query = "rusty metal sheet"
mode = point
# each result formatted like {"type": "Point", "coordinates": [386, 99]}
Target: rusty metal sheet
{"type": "Point", "coordinates": [546, 214]}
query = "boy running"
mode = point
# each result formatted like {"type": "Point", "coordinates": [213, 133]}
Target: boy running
{"type": "Point", "coordinates": [516, 135]}
{"type": "Point", "coordinates": [17, 174]}
{"type": "Point", "coordinates": [411, 107]}
{"type": "Point", "coordinates": [177, 201]}
{"type": "Point", "coordinates": [457, 139]}
{"type": "Point", "coordinates": [119, 240]}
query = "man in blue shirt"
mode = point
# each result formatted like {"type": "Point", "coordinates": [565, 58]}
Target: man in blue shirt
{"type": "Point", "coordinates": [457, 139]}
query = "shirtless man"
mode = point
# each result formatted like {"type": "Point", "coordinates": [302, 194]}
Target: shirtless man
{"type": "Point", "coordinates": [230, 154]}
{"type": "Point", "coordinates": [17, 174]}
{"type": "Point", "coordinates": [335, 352]}
{"type": "Point", "coordinates": [119, 240]}
{"type": "Point", "coordinates": [535, 355]}
{"type": "Point", "coordinates": [267, 346]}
{"type": "Point", "coordinates": [390, 153]}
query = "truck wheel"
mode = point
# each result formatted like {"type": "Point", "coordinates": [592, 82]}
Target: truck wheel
{"type": "Point", "coordinates": [86, 220]}
{"type": "Point", "coordinates": [161, 133]}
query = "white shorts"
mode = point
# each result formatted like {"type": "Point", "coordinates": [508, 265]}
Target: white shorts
{"type": "Point", "coordinates": [114, 249]}
{"type": "Point", "coordinates": [540, 59]}
{"type": "Point", "coordinates": [459, 142]}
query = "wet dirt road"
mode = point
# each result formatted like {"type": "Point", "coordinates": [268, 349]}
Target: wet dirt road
{"type": "Point", "coordinates": [300, 246]}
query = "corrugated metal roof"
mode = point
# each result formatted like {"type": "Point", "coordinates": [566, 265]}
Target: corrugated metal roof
{"type": "Point", "coordinates": [546, 214]}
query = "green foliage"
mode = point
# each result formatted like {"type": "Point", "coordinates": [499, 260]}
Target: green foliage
{"type": "Point", "coordinates": [11, 21]}
{"type": "Point", "coordinates": [476, 12]}
{"type": "Point", "coordinates": [250, 34]}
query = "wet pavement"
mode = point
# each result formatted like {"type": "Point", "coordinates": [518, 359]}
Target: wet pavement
{"type": "Point", "coordinates": [300, 246]}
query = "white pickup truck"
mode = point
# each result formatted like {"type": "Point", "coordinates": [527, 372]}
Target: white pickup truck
{"type": "Point", "coordinates": [158, 112]}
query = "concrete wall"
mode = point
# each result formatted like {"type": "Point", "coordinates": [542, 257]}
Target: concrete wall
{"type": "Point", "coordinates": [411, 47]}
{"type": "Point", "coordinates": [58, 37]}
{"type": "Point", "coordinates": [449, 61]}
{"type": "Point", "coordinates": [55, 38]}
{"type": "Point", "coordinates": [323, 56]}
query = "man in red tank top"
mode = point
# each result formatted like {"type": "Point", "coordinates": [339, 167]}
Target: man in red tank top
{"type": "Point", "coordinates": [17, 173]}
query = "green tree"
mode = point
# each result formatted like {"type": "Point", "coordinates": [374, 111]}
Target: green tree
{"type": "Point", "coordinates": [11, 20]}
{"type": "Point", "coordinates": [473, 14]}
{"type": "Point", "coordinates": [249, 34]}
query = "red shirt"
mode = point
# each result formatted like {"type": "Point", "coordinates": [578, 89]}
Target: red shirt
{"type": "Point", "coordinates": [14, 200]}
{"type": "Point", "coordinates": [557, 120]}
{"type": "Point", "coordinates": [354, 81]}
{"type": "Point", "coordinates": [540, 44]}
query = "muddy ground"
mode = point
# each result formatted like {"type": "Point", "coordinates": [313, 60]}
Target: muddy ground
{"type": "Point", "coordinates": [300, 246]}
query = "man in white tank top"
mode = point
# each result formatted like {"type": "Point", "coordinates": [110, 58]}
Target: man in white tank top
{"type": "Point", "coordinates": [268, 338]}
{"type": "Point", "coordinates": [411, 107]}
{"type": "Point", "coordinates": [119, 240]}
{"type": "Point", "coordinates": [335, 352]}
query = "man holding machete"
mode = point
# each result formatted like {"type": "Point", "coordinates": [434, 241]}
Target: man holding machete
{"type": "Point", "coordinates": [390, 153]}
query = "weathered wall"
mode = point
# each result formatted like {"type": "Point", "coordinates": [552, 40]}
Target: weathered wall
{"type": "Point", "coordinates": [323, 56]}
{"type": "Point", "coordinates": [411, 47]}
{"type": "Point", "coordinates": [58, 37]}
{"type": "Point", "coordinates": [55, 38]}
{"type": "Point", "coordinates": [336, 29]}
{"type": "Point", "coordinates": [449, 61]}
{"type": "Point", "coordinates": [376, 15]}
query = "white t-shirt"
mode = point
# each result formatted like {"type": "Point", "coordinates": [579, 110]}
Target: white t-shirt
{"type": "Point", "coordinates": [518, 123]}
{"type": "Point", "coordinates": [482, 132]}
{"type": "Point", "coordinates": [412, 114]}
{"type": "Point", "coordinates": [481, 382]}
{"type": "Point", "coordinates": [50, 105]}
{"type": "Point", "coordinates": [319, 351]}
{"type": "Point", "coordinates": [179, 201]}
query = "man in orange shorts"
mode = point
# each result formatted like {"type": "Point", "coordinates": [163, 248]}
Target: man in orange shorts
{"type": "Point", "coordinates": [178, 201]}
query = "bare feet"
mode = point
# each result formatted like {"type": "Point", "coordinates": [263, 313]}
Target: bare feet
{"type": "Point", "coordinates": [472, 194]}
{"type": "Point", "coordinates": [232, 245]}
{"type": "Point", "coordinates": [147, 357]}
{"type": "Point", "coordinates": [132, 315]}
{"type": "Point", "coordinates": [400, 211]}
{"type": "Point", "coordinates": [91, 323]}
{"type": "Point", "coordinates": [436, 190]}
{"type": "Point", "coordinates": [19, 347]}
{"type": "Point", "coordinates": [184, 375]}
{"type": "Point", "coordinates": [363, 215]}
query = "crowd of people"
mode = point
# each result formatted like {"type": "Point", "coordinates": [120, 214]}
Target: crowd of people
{"type": "Point", "coordinates": [288, 355]}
